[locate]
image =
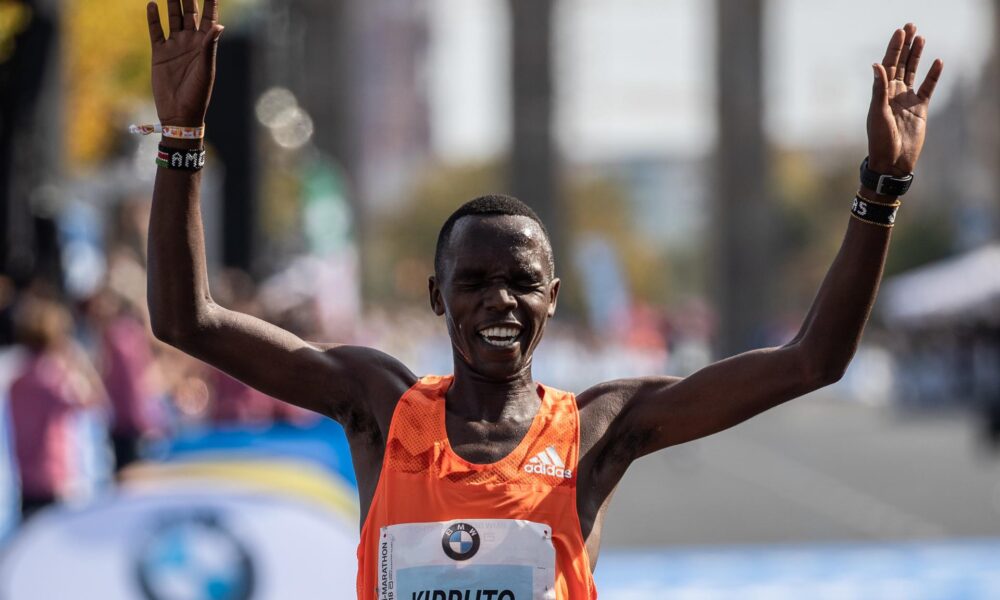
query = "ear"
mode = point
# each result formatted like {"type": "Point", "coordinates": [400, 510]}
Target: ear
{"type": "Point", "coordinates": [553, 295]}
{"type": "Point", "coordinates": [437, 303]}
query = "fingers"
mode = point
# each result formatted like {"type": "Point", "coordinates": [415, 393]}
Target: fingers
{"type": "Point", "coordinates": [927, 87]}
{"type": "Point", "coordinates": [153, 19]}
{"type": "Point", "coordinates": [210, 16]}
{"type": "Point", "coordinates": [174, 16]}
{"type": "Point", "coordinates": [184, 16]}
{"type": "Point", "coordinates": [880, 89]}
{"type": "Point", "coordinates": [904, 55]}
{"type": "Point", "coordinates": [914, 60]}
{"type": "Point", "coordinates": [892, 52]}
{"type": "Point", "coordinates": [213, 35]}
{"type": "Point", "coordinates": [190, 15]}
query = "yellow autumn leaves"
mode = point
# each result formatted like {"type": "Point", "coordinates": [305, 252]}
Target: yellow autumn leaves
{"type": "Point", "coordinates": [105, 52]}
{"type": "Point", "coordinates": [14, 18]}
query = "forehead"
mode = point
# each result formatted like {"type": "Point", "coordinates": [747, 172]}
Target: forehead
{"type": "Point", "coordinates": [498, 241]}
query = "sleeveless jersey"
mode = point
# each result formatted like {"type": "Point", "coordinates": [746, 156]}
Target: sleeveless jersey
{"type": "Point", "coordinates": [442, 528]}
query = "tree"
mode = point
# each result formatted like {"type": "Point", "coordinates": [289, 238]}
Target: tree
{"type": "Point", "coordinates": [533, 162]}
{"type": "Point", "coordinates": [743, 221]}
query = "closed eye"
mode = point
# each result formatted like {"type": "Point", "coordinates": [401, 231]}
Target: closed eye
{"type": "Point", "coordinates": [469, 284]}
{"type": "Point", "coordinates": [529, 286]}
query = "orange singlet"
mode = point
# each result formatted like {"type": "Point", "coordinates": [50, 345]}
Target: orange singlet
{"type": "Point", "coordinates": [442, 528]}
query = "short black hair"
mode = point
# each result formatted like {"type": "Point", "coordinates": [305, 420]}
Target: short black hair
{"type": "Point", "coordinates": [483, 206]}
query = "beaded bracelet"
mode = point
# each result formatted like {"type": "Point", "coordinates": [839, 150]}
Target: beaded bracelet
{"type": "Point", "coordinates": [182, 159]}
{"type": "Point", "coordinates": [876, 213]}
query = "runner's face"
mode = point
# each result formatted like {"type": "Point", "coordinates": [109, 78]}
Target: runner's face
{"type": "Point", "coordinates": [496, 292]}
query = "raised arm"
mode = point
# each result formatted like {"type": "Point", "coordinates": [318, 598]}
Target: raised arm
{"type": "Point", "coordinates": [657, 412]}
{"type": "Point", "coordinates": [332, 380]}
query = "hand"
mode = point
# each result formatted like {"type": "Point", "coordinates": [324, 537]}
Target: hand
{"type": "Point", "coordinates": [897, 118]}
{"type": "Point", "coordinates": [184, 65]}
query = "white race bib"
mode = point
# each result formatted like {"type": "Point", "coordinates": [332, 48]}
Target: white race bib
{"type": "Point", "coordinates": [467, 559]}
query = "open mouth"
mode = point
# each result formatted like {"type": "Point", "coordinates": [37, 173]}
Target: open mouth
{"type": "Point", "coordinates": [501, 336]}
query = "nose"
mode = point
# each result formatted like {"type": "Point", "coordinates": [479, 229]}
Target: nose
{"type": "Point", "coordinates": [499, 298]}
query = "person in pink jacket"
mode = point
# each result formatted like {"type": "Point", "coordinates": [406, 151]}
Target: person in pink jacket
{"type": "Point", "coordinates": [55, 383]}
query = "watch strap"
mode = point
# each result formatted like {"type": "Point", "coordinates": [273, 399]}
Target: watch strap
{"type": "Point", "coordinates": [883, 184]}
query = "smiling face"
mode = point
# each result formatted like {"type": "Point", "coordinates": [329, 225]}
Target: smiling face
{"type": "Point", "coordinates": [496, 290]}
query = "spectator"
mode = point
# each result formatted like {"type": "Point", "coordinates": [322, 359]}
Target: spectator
{"type": "Point", "coordinates": [235, 403]}
{"type": "Point", "coordinates": [56, 382]}
{"type": "Point", "coordinates": [127, 368]}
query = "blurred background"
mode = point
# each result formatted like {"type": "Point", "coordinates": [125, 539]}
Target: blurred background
{"type": "Point", "coordinates": [694, 162]}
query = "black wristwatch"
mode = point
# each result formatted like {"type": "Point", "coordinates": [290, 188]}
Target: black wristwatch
{"type": "Point", "coordinates": [886, 185]}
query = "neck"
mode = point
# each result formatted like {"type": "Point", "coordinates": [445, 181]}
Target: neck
{"type": "Point", "coordinates": [475, 397]}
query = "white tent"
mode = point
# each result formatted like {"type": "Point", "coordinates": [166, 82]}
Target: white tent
{"type": "Point", "coordinates": [966, 287]}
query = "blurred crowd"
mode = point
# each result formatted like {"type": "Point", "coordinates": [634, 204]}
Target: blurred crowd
{"type": "Point", "coordinates": [89, 390]}
{"type": "Point", "coordinates": [87, 379]}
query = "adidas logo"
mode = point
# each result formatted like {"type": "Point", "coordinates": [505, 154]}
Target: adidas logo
{"type": "Point", "coordinates": [547, 462]}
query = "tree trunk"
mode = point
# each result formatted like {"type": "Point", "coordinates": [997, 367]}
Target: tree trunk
{"type": "Point", "coordinates": [30, 149]}
{"type": "Point", "coordinates": [533, 168]}
{"type": "Point", "coordinates": [743, 217]}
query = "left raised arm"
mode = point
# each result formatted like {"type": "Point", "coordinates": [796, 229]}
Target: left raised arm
{"type": "Point", "coordinates": [659, 412]}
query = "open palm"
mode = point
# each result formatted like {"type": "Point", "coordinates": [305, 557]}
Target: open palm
{"type": "Point", "coordinates": [183, 65]}
{"type": "Point", "coordinates": [897, 118]}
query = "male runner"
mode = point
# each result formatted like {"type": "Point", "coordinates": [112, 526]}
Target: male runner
{"type": "Point", "coordinates": [485, 484]}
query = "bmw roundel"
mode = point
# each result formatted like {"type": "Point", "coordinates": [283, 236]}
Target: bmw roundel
{"type": "Point", "coordinates": [194, 556]}
{"type": "Point", "coordinates": [460, 541]}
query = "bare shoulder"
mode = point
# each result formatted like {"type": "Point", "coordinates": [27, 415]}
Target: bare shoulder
{"type": "Point", "coordinates": [376, 383]}
{"type": "Point", "coordinates": [367, 359]}
{"type": "Point", "coordinates": [603, 406]}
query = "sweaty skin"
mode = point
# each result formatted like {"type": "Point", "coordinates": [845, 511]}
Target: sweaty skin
{"type": "Point", "coordinates": [497, 272]}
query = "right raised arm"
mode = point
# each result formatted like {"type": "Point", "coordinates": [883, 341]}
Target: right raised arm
{"type": "Point", "coordinates": [335, 380]}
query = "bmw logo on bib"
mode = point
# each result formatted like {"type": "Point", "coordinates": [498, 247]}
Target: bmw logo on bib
{"type": "Point", "coordinates": [460, 541]}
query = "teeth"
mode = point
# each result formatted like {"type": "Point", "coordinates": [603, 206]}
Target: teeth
{"type": "Point", "coordinates": [500, 332]}
{"type": "Point", "coordinates": [500, 336]}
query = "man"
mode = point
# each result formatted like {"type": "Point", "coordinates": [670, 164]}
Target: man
{"type": "Point", "coordinates": [485, 484]}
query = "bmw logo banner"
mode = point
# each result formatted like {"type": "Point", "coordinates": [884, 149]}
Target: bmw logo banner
{"type": "Point", "coordinates": [219, 522]}
{"type": "Point", "coordinates": [502, 559]}
{"type": "Point", "coordinates": [206, 543]}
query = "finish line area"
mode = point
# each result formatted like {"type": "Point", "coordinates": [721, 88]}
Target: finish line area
{"type": "Point", "coordinates": [912, 570]}
{"type": "Point", "coordinates": [274, 513]}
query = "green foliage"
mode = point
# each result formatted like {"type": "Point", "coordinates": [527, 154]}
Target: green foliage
{"type": "Point", "coordinates": [811, 199]}
{"type": "Point", "coordinates": [920, 237]}
{"type": "Point", "coordinates": [813, 195]}
{"type": "Point", "coordinates": [599, 205]}
{"type": "Point", "coordinates": [401, 252]}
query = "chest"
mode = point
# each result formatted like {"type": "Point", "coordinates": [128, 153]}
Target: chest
{"type": "Point", "coordinates": [484, 442]}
